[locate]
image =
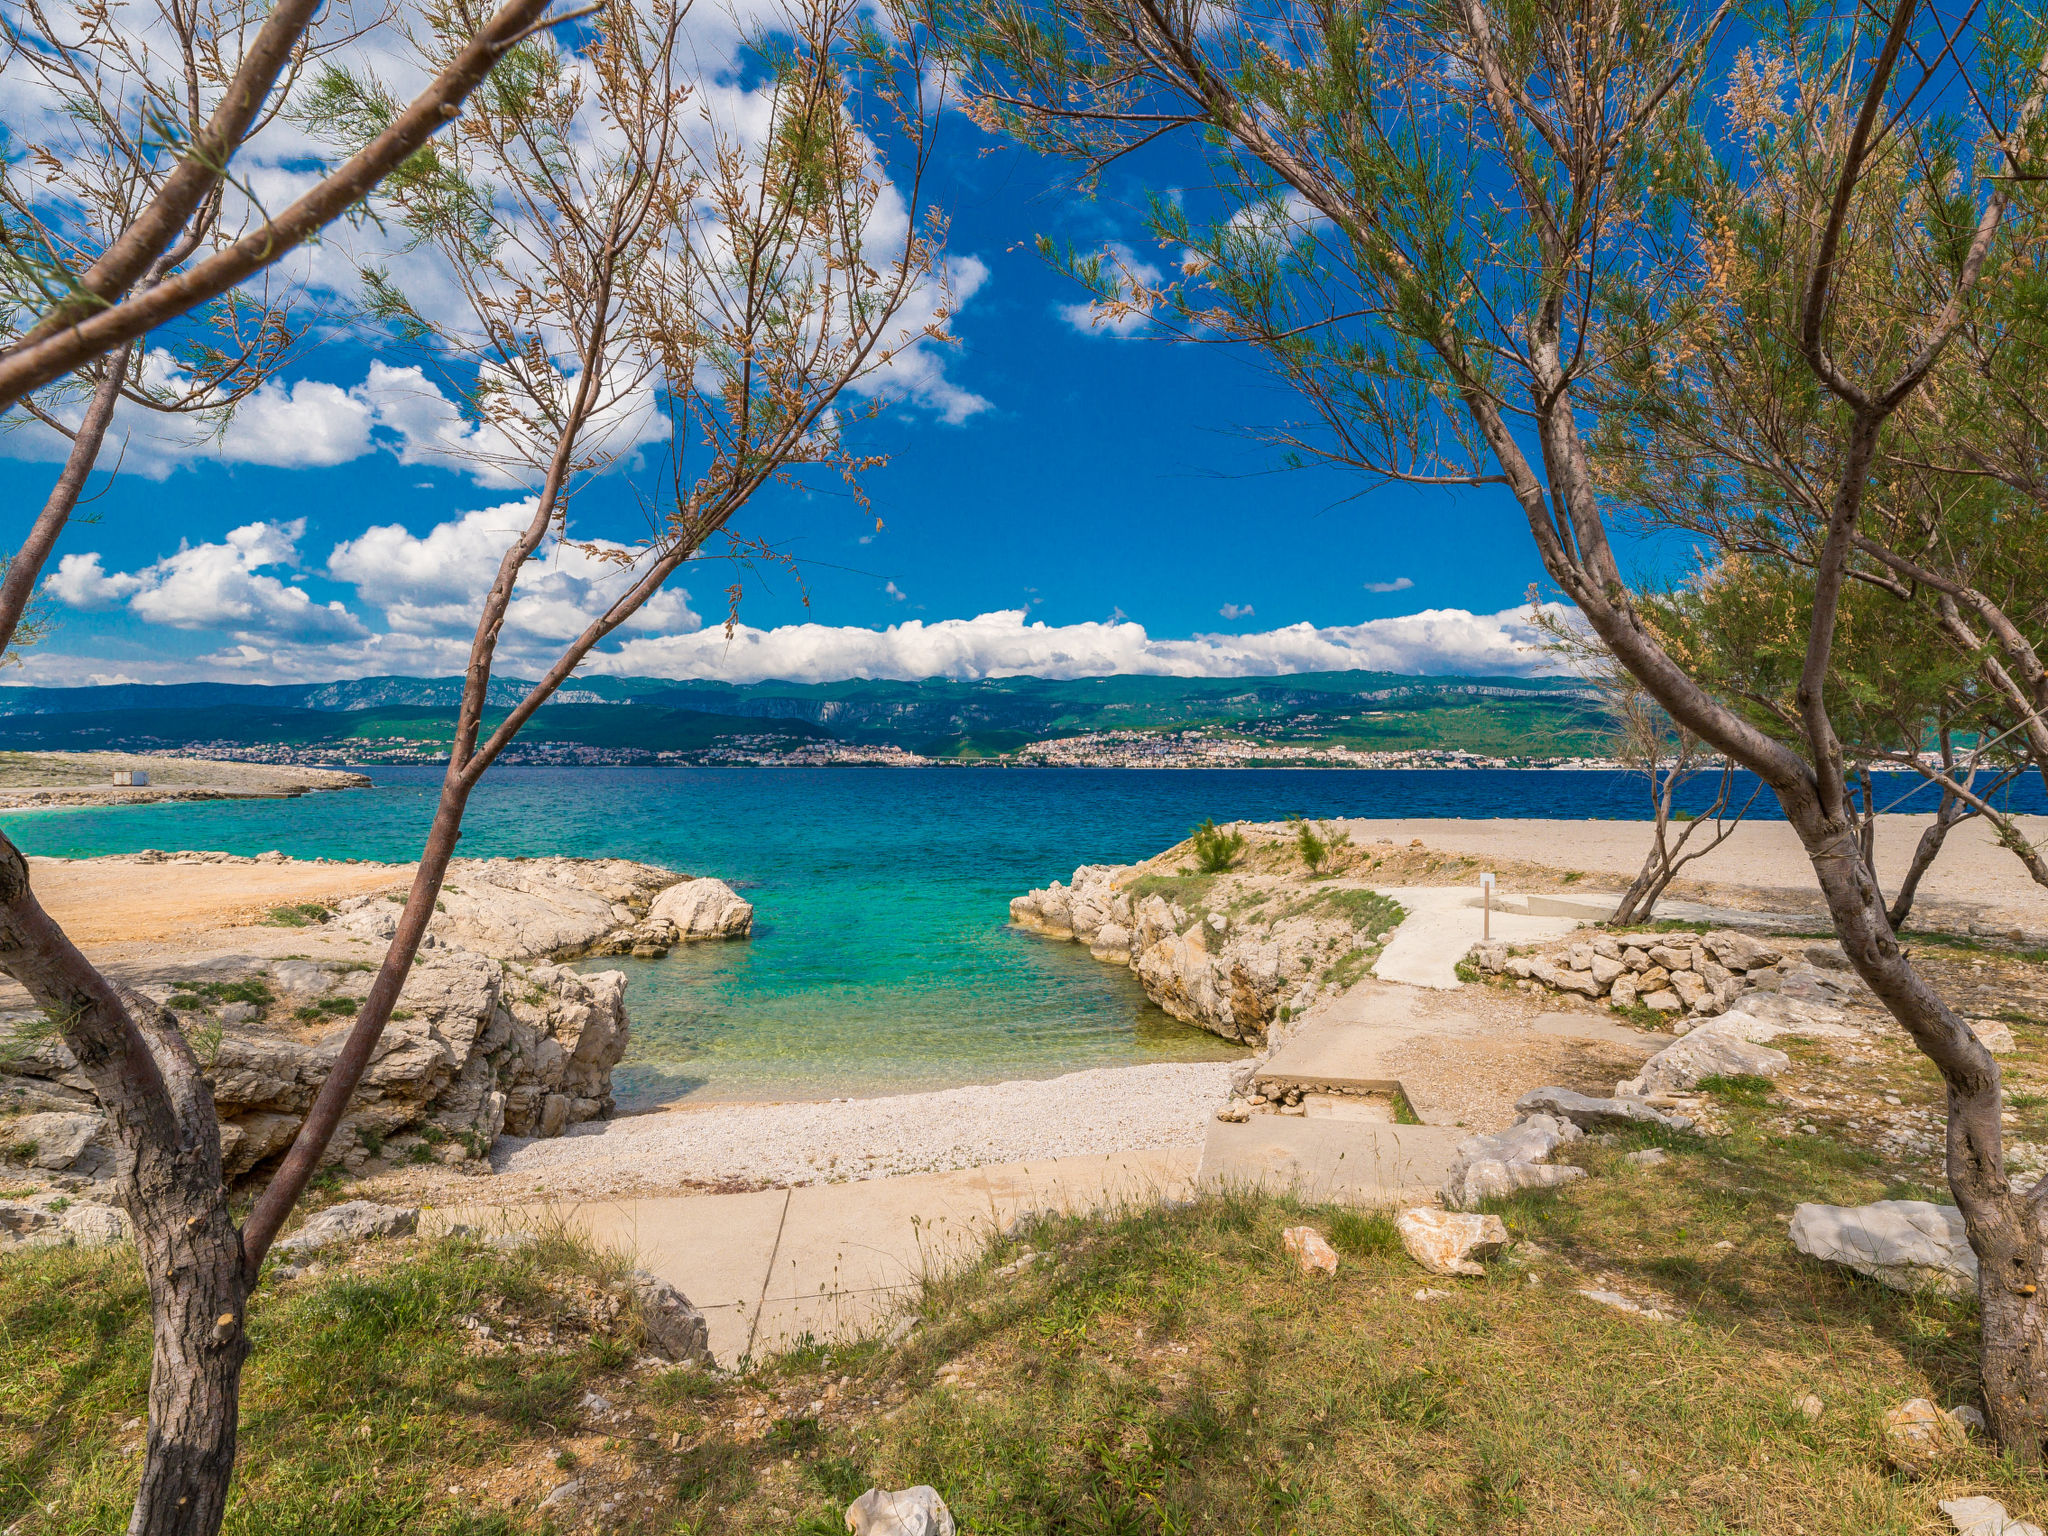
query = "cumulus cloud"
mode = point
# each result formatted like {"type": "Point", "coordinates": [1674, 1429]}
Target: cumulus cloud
{"type": "Point", "coordinates": [1236, 611]}
{"type": "Point", "coordinates": [1006, 644]}
{"type": "Point", "coordinates": [212, 586]}
{"type": "Point", "coordinates": [432, 583]}
{"type": "Point", "coordinates": [1398, 584]}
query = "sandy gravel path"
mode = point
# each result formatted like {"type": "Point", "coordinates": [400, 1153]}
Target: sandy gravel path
{"type": "Point", "coordinates": [1108, 1109]}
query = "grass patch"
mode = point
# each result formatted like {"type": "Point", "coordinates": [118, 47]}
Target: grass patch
{"type": "Point", "coordinates": [205, 994]}
{"type": "Point", "coordinates": [1366, 911]}
{"type": "Point", "coordinates": [325, 1008]}
{"type": "Point", "coordinates": [1738, 1088]}
{"type": "Point", "coordinates": [298, 914]}
{"type": "Point", "coordinates": [1158, 1371]}
{"type": "Point", "coordinates": [1189, 891]}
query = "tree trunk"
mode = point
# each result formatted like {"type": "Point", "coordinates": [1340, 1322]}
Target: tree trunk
{"type": "Point", "coordinates": [161, 1113]}
{"type": "Point", "coordinates": [2004, 1227]}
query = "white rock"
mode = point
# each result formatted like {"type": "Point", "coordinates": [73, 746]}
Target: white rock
{"type": "Point", "coordinates": [1979, 1516]}
{"type": "Point", "coordinates": [301, 978]}
{"type": "Point", "coordinates": [1487, 1167]}
{"type": "Point", "coordinates": [1715, 1049]}
{"type": "Point", "coordinates": [351, 1221]}
{"type": "Point", "coordinates": [704, 909]}
{"type": "Point", "coordinates": [60, 1139]}
{"type": "Point", "coordinates": [1309, 1249]}
{"type": "Point", "coordinates": [1739, 951]}
{"type": "Point", "coordinates": [1908, 1245]}
{"type": "Point", "coordinates": [1621, 1303]}
{"type": "Point", "coordinates": [1649, 1157]}
{"type": "Point", "coordinates": [94, 1226]}
{"type": "Point", "coordinates": [915, 1511]}
{"type": "Point", "coordinates": [1450, 1242]}
{"type": "Point", "coordinates": [1591, 1114]}
{"type": "Point", "coordinates": [1997, 1037]}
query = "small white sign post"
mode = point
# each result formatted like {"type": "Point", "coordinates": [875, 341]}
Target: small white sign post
{"type": "Point", "coordinates": [1486, 922]}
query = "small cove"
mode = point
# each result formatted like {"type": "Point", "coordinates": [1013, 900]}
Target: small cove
{"type": "Point", "coordinates": [881, 960]}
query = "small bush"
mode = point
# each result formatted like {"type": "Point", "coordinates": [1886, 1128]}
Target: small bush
{"type": "Point", "coordinates": [1215, 849]}
{"type": "Point", "coordinates": [1313, 849]}
{"type": "Point", "coordinates": [298, 914]}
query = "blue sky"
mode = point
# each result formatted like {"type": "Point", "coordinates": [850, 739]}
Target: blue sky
{"type": "Point", "coordinates": [1048, 469]}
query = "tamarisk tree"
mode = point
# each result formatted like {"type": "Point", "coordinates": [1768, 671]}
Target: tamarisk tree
{"type": "Point", "coordinates": [1449, 225]}
{"type": "Point", "coordinates": [620, 247]}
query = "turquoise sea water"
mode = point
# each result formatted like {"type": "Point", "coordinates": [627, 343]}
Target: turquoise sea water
{"type": "Point", "coordinates": [880, 959]}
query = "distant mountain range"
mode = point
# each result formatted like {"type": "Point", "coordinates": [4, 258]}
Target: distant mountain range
{"type": "Point", "coordinates": [634, 718]}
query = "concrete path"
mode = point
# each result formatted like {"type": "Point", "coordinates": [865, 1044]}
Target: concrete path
{"type": "Point", "coordinates": [1342, 1162]}
{"type": "Point", "coordinates": [1444, 922]}
{"type": "Point", "coordinates": [832, 1261]}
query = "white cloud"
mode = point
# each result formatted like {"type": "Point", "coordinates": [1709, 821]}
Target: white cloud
{"type": "Point", "coordinates": [80, 582]}
{"type": "Point", "coordinates": [1007, 645]}
{"type": "Point", "coordinates": [1398, 584]}
{"type": "Point", "coordinates": [1235, 611]}
{"type": "Point", "coordinates": [433, 583]}
{"type": "Point", "coordinates": [213, 586]}
{"type": "Point", "coordinates": [895, 591]}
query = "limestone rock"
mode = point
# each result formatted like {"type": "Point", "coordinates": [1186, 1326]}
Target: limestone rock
{"type": "Point", "coordinates": [60, 1139]}
{"type": "Point", "coordinates": [1309, 1249]}
{"type": "Point", "coordinates": [522, 909]}
{"type": "Point", "coordinates": [1607, 970]}
{"type": "Point", "coordinates": [703, 909]}
{"type": "Point", "coordinates": [1671, 956]}
{"type": "Point", "coordinates": [676, 1329]}
{"type": "Point", "coordinates": [351, 1221]}
{"type": "Point", "coordinates": [1908, 1245]}
{"type": "Point", "coordinates": [1739, 951]}
{"type": "Point", "coordinates": [1664, 1000]}
{"type": "Point", "coordinates": [1591, 1114]}
{"type": "Point", "coordinates": [1636, 959]}
{"type": "Point", "coordinates": [1562, 979]}
{"type": "Point", "coordinates": [1450, 1242]}
{"type": "Point", "coordinates": [47, 1221]}
{"type": "Point", "coordinates": [300, 979]}
{"type": "Point", "coordinates": [1997, 1037]}
{"type": "Point", "coordinates": [1492, 1178]}
{"type": "Point", "coordinates": [1715, 1049]}
{"type": "Point", "coordinates": [915, 1511]}
{"type": "Point", "coordinates": [1623, 992]}
{"type": "Point", "coordinates": [1918, 1436]}
{"type": "Point", "coordinates": [1979, 1516]}
{"type": "Point", "coordinates": [94, 1226]}
{"type": "Point", "coordinates": [1691, 988]}
{"type": "Point", "coordinates": [1487, 1167]}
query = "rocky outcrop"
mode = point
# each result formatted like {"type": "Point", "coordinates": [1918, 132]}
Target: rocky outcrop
{"type": "Point", "coordinates": [687, 911]}
{"type": "Point", "coordinates": [523, 909]}
{"type": "Point", "coordinates": [1232, 975]}
{"type": "Point", "coordinates": [475, 1049]}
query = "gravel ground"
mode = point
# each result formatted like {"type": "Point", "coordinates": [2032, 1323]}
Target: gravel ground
{"type": "Point", "coordinates": [1110, 1109]}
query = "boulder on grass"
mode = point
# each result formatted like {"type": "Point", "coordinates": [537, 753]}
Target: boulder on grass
{"type": "Point", "coordinates": [349, 1222]}
{"type": "Point", "coordinates": [1716, 1049]}
{"type": "Point", "coordinates": [1487, 1167]}
{"type": "Point", "coordinates": [1450, 1242]}
{"type": "Point", "coordinates": [1985, 1517]}
{"type": "Point", "coordinates": [1918, 1436]}
{"type": "Point", "coordinates": [1591, 1114]}
{"type": "Point", "coordinates": [915, 1511]}
{"type": "Point", "coordinates": [1309, 1249]}
{"type": "Point", "coordinates": [676, 1329]}
{"type": "Point", "coordinates": [1908, 1245]}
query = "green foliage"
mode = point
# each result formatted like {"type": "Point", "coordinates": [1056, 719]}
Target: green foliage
{"type": "Point", "coordinates": [1313, 849]}
{"type": "Point", "coordinates": [299, 914]}
{"type": "Point", "coordinates": [326, 1008]}
{"type": "Point", "coordinates": [1738, 1087]}
{"type": "Point", "coordinates": [1215, 850]}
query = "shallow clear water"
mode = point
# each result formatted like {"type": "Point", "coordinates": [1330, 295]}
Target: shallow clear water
{"type": "Point", "coordinates": [880, 959]}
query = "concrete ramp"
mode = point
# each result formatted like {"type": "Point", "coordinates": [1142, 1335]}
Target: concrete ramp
{"type": "Point", "coordinates": [1341, 1162]}
{"type": "Point", "coordinates": [1444, 922]}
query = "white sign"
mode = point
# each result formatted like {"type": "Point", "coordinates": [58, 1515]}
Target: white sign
{"type": "Point", "coordinates": [1486, 879]}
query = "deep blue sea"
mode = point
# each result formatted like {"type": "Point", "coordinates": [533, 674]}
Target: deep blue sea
{"type": "Point", "coordinates": [880, 959]}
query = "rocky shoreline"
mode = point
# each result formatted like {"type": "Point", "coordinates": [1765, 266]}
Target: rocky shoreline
{"type": "Point", "coordinates": [491, 1036]}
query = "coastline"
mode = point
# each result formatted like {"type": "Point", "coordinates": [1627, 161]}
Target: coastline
{"type": "Point", "coordinates": [54, 781]}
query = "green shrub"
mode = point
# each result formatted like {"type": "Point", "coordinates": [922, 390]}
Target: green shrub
{"type": "Point", "coordinates": [298, 914]}
{"type": "Point", "coordinates": [1313, 849]}
{"type": "Point", "coordinates": [326, 1007]}
{"type": "Point", "coordinates": [1215, 849]}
